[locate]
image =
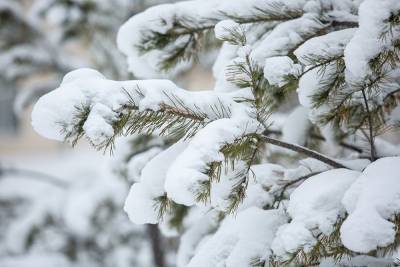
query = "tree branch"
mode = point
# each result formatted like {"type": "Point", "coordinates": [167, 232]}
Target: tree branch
{"type": "Point", "coordinates": [305, 151]}
{"type": "Point", "coordinates": [321, 138]}
{"type": "Point", "coordinates": [371, 133]}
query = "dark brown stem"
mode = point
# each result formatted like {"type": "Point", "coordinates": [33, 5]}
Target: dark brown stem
{"type": "Point", "coordinates": [305, 151]}
{"type": "Point", "coordinates": [371, 132]}
{"type": "Point", "coordinates": [156, 245]}
{"type": "Point", "coordinates": [321, 138]}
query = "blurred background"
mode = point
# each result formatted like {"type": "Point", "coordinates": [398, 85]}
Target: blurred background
{"type": "Point", "coordinates": [62, 206]}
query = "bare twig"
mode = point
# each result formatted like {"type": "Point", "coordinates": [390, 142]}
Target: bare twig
{"type": "Point", "coordinates": [321, 138]}
{"type": "Point", "coordinates": [371, 133]}
{"type": "Point", "coordinates": [303, 150]}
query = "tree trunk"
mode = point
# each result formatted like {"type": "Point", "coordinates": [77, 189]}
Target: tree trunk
{"type": "Point", "coordinates": [156, 244]}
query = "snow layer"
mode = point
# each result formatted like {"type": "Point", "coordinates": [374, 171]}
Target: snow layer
{"type": "Point", "coordinates": [188, 170]}
{"type": "Point", "coordinates": [367, 41]}
{"type": "Point", "coordinates": [328, 45]}
{"type": "Point", "coordinates": [240, 239]}
{"type": "Point", "coordinates": [140, 205]}
{"type": "Point", "coordinates": [160, 19]}
{"type": "Point", "coordinates": [296, 128]}
{"type": "Point", "coordinates": [224, 28]}
{"type": "Point", "coordinates": [315, 204]}
{"type": "Point", "coordinates": [199, 227]}
{"type": "Point", "coordinates": [286, 36]}
{"type": "Point", "coordinates": [371, 202]}
{"type": "Point", "coordinates": [54, 115]}
{"type": "Point", "coordinates": [278, 69]}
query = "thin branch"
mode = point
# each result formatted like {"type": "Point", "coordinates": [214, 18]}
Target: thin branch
{"type": "Point", "coordinates": [371, 133]}
{"type": "Point", "coordinates": [305, 151]}
{"type": "Point", "coordinates": [36, 175]}
{"type": "Point", "coordinates": [292, 182]}
{"type": "Point", "coordinates": [321, 138]}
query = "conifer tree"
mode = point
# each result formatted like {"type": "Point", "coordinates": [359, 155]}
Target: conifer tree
{"type": "Point", "coordinates": [243, 182]}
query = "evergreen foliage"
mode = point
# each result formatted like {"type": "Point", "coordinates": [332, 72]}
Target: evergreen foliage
{"type": "Point", "coordinates": [224, 143]}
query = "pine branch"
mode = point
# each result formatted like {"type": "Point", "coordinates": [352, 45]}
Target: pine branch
{"type": "Point", "coordinates": [326, 246]}
{"type": "Point", "coordinates": [239, 190]}
{"type": "Point", "coordinates": [269, 12]}
{"type": "Point", "coordinates": [163, 205]}
{"type": "Point", "coordinates": [172, 118]}
{"type": "Point", "coordinates": [186, 37]}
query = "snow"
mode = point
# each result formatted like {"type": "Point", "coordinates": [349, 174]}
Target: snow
{"type": "Point", "coordinates": [156, 19]}
{"type": "Point", "coordinates": [240, 239]}
{"type": "Point", "coordinates": [296, 128]}
{"type": "Point", "coordinates": [317, 201]}
{"type": "Point", "coordinates": [226, 54]}
{"type": "Point", "coordinates": [357, 261]}
{"type": "Point", "coordinates": [367, 42]}
{"type": "Point", "coordinates": [160, 19]}
{"type": "Point", "coordinates": [154, 173]}
{"type": "Point", "coordinates": [368, 194]}
{"type": "Point", "coordinates": [371, 202]}
{"type": "Point", "coordinates": [224, 28]}
{"type": "Point", "coordinates": [49, 215]}
{"type": "Point", "coordinates": [315, 204]}
{"type": "Point", "coordinates": [140, 203]}
{"type": "Point", "coordinates": [98, 127]}
{"type": "Point", "coordinates": [54, 115]}
{"type": "Point", "coordinates": [267, 174]}
{"type": "Point", "coordinates": [278, 69]}
{"type": "Point", "coordinates": [290, 238]}
{"type": "Point", "coordinates": [286, 36]}
{"type": "Point", "coordinates": [44, 260]}
{"type": "Point", "coordinates": [328, 45]}
{"type": "Point", "coordinates": [136, 164]}
{"type": "Point", "coordinates": [187, 171]}
{"type": "Point", "coordinates": [199, 226]}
